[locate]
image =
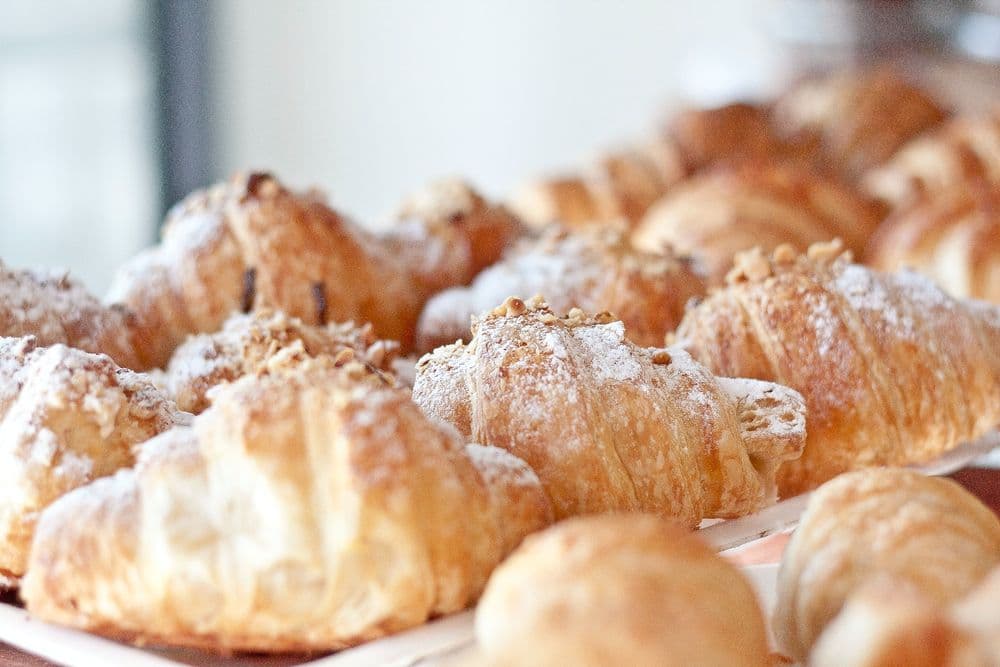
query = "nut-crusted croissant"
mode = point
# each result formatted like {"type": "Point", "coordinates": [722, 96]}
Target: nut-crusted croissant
{"type": "Point", "coordinates": [893, 370]}
{"type": "Point", "coordinates": [963, 151]}
{"type": "Point", "coordinates": [952, 237]}
{"type": "Point", "coordinates": [608, 425]}
{"type": "Point", "coordinates": [251, 242]}
{"type": "Point", "coordinates": [307, 510]}
{"type": "Point", "coordinates": [596, 270]}
{"type": "Point", "coordinates": [253, 342]}
{"type": "Point", "coordinates": [880, 527]}
{"type": "Point", "coordinates": [858, 118]}
{"type": "Point", "coordinates": [736, 207]}
{"type": "Point", "coordinates": [54, 308]}
{"type": "Point", "coordinates": [619, 590]}
{"type": "Point", "coordinates": [66, 417]}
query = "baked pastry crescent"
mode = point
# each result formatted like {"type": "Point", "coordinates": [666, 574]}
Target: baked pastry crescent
{"type": "Point", "coordinates": [619, 590]}
{"type": "Point", "coordinates": [596, 270]}
{"type": "Point", "coordinates": [963, 151]}
{"type": "Point", "coordinates": [952, 237]}
{"type": "Point", "coordinates": [251, 242]}
{"type": "Point", "coordinates": [609, 426]}
{"type": "Point", "coordinates": [875, 526]}
{"type": "Point", "coordinates": [66, 417]}
{"type": "Point", "coordinates": [737, 207]}
{"type": "Point", "coordinates": [893, 370]}
{"type": "Point", "coordinates": [251, 343]}
{"type": "Point", "coordinates": [859, 119]}
{"type": "Point", "coordinates": [54, 308]}
{"type": "Point", "coordinates": [305, 510]}
{"type": "Point", "coordinates": [617, 190]}
{"type": "Point", "coordinates": [622, 185]}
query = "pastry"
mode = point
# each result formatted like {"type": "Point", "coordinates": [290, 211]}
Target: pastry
{"type": "Point", "coordinates": [594, 270]}
{"type": "Point", "coordinates": [619, 590]}
{"type": "Point", "coordinates": [253, 243]}
{"type": "Point", "coordinates": [859, 119]}
{"type": "Point", "coordinates": [54, 308]}
{"type": "Point", "coordinates": [308, 509]}
{"type": "Point", "coordinates": [250, 343]}
{"type": "Point", "coordinates": [734, 208]}
{"type": "Point", "coordinates": [893, 370]}
{"type": "Point", "coordinates": [952, 237]}
{"type": "Point", "coordinates": [66, 417]}
{"type": "Point", "coordinates": [963, 151]}
{"type": "Point", "coordinates": [880, 527]}
{"type": "Point", "coordinates": [616, 191]}
{"type": "Point", "coordinates": [622, 185]}
{"type": "Point", "coordinates": [609, 426]}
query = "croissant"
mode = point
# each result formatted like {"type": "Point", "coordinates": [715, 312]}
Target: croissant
{"type": "Point", "coordinates": [609, 426]}
{"type": "Point", "coordinates": [880, 526]}
{"type": "Point", "coordinates": [251, 343]}
{"type": "Point", "coordinates": [619, 590]}
{"type": "Point", "coordinates": [252, 242]}
{"type": "Point", "coordinates": [893, 370]}
{"type": "Point", "coordinates": [595, 270]}
{"type": "Point", "coordinates": [953, 237]}
{"type": "Point", "coordinates": [618, 189]}
{"type": "Point", "coordinates": [965, 150]}
{"type": "Point", "coordinates": [57, 309]}
{"type": "Point", "coordinates": [859, 119]}
{"type": "Point", "coordinates": [623, 185]}
{"type": "Point", "coordinates": [66, 417]}
{"type": "Point", "coordinates": [307, 509]}
{"type": "Point", "coordinates": [733, 208]}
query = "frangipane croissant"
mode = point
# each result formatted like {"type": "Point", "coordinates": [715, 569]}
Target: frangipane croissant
{"type": "Point", "coordinates": [608, 425]}
{"type": "Point", "coordinates": [252, 343]}
{"type": "Point", "coordinates": [953, 237]}
{"type": "Point", "coordinates": [66, 417]}
{"type": "Point", "coordinates": [734, 208]}
{"type": "Point", "coordinates": [54, 308]}
{"type": "Point", "coordinates": [893, 370]}
{"type": "Point", "coordinates": [595, 270]}
{"type": "Point", "coordinates": [880, 527]}
{"type": "Point", "coordinates": [251, 242]}
{"type": "Point", "coordinates": [619, 590]}
{"type": "Point", "coordinates": [309, 509]}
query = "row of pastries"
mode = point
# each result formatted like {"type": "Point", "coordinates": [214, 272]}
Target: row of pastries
{"type": "Point", "coordinates": [241, 448]}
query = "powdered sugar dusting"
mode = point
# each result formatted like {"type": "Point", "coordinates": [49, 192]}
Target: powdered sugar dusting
{"type": "Point", "coordinates": [612, 361]}
{"type": "Point", "coordinates": [497, 465]}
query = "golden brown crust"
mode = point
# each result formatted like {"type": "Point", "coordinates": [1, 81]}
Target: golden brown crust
{"type": "Point", "coordinates": [253, 243]}
{"type": "Point", "coordinates": [952, 237]}
{"type": "Point", "coordinates": [309, 509]}
{"type": "Point", "coordinates": [593, 270]}
{"type": "Point", "coordinates": [730, 133]}
{"type": "Point", "coordinates": [737, 207]}
{"type": "Point", "coordinates": [610, 426]}
{"type": "Point", "coordinates": [67, 417]}
{"type": "Point", "coordinates": [254, 343]}
{"type": "Point", "coordinates": [964, 151]}
{"type": "Point", "coordinates": [880, 527]}
{"type": "Point", "coordinates": [55, 308]}
{"type": "Point", "coordinates": [858, 118]}
{"type": "Point", "coordinates": [619, 589]}
{"type": "Point", "coordinates": [893, 370]}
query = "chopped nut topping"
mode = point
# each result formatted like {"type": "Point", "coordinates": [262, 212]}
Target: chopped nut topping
{"type": "Point", "coordinates": [661, 357]}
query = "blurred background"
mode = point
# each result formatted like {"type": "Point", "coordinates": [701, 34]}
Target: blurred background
{"type": "Point", "coordinates": [111, 110]}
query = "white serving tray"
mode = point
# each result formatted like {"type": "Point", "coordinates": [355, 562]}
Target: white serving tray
{"type": "Point", "coordinates": [432, 644]}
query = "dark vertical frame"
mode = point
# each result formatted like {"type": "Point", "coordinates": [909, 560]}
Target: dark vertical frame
{"type": "Point", "coordinates": [182, 52]}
